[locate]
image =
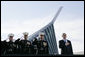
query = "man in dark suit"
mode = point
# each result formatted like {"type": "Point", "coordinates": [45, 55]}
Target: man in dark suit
{"type": "Point", "coordinates": [65, 46]}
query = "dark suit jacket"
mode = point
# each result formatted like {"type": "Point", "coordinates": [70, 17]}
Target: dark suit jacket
{"type": "Point", "coordinates": [65, 49]}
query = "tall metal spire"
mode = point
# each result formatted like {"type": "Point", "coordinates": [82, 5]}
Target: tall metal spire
{"type": "Point", "coordinates": [56, 15]}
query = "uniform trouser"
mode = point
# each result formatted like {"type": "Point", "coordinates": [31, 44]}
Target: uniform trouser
{"type": "Point", "coordinates": [41, 52]}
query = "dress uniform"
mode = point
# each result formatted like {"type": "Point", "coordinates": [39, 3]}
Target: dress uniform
{"type": "Point", "coordinates": [25, 44]}
{"type": "Point", "coordinates": [35, 46]}
{"type": "Point", "coordinates": [10, 44]}
{"type": "Point", "coordinates": [18, 47]}
{"type": "Point", "coordinates": [42, 45]}
{"type": "Point", "coordinates": [3, 47]}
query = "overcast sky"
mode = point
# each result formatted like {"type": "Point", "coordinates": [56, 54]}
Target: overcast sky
{"type": "Point", "coordinates": [30, 16]}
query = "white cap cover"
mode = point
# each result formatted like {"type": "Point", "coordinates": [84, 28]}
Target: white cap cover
{"type": "Point", "coordinates": [42, 33]}
{"type": "Point", "coordinates": [25, 33]}
{"type": "Point", "coordinates": [11, 34]}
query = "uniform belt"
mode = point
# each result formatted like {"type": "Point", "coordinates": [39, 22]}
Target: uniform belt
{"type": "Point", "coordinates": [10, 50]}
{"type": "Point", "coordinates": [41, 48]}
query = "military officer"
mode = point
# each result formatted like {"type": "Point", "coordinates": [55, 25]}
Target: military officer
{"type": "Point", "coordinates": [18, 47]}
{"type": "Point", "coordinates": [35, 44]}
{"type": "Point", "coordinates": [25, 44]}
{"type": "Point", "coordinates": [3, 47]}
{"type": "Point", "coordinates": [10, 45]}
{"type": "Point", "coordinates": [42, 45]}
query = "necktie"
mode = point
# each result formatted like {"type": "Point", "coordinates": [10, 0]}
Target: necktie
{"type": "Point", "coordinates": [65, 41]}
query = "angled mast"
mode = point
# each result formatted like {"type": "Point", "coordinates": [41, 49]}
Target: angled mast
{"type": "Point", "coordinates": [56, 15]}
